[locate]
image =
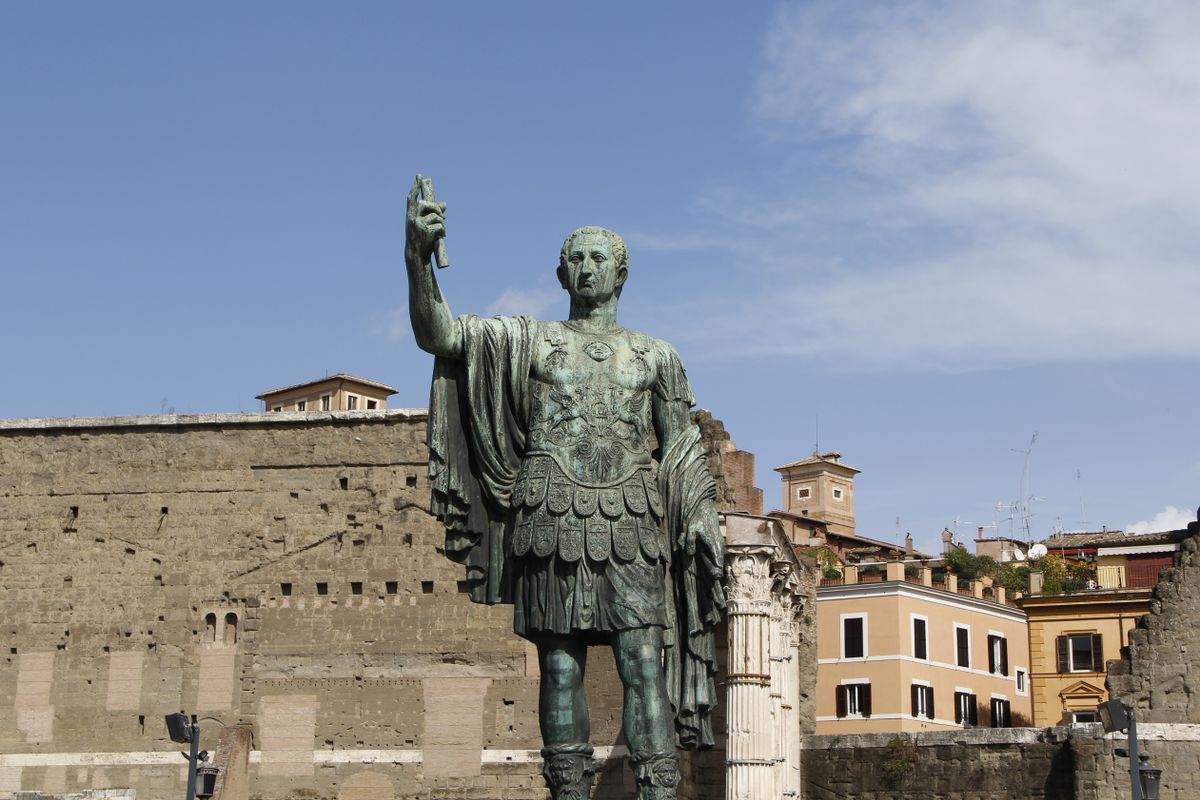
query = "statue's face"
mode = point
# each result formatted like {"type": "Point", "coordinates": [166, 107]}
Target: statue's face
{"type": "Point", "coordinates": [591, 273]}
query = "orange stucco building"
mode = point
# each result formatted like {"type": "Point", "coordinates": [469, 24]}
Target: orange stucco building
{"type": "Point", "coordinates": [903, 654]}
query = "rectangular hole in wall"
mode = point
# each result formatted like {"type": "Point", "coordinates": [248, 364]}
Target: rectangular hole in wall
{"type": "Point", "coordinates": [322, 587]}
{"type": "Point", "coordinates": [408, 539]}
{"type": "Point", "coordinates": [141, 723]}
{"type": "Point", "coordinates": [464, 586]}
{"type": "Point", "coordinates": [355, 587]}
{"type": "Point", "coordinates": [410, 481]}
{"type": "Point", "coordinates": [344, 483]}
{"type": "Point", "coordinates": [164, 511]}
{"type": "Point", "coordinates": [285, 589]}
{"type": "Point", "coordinates": [427, 587]}
{"type": "Point", "coordinates": [392, 587]}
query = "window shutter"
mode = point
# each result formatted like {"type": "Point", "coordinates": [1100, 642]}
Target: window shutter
{"type": "Point", "coordinates": [841, 701]}
{"type": "Point", "coordinates": [915, 691]}
{"type": "Point", "coordinates": [963, 645]}
{"type": "Point", "coordinates": [1097, 653]}
{"type": "Point", "coordinates": [992, 652]}
{"type": "Point", "coordinates": [1064, 654]}
{"type": "Point", "coordinates": [1003, 656]}
{"type": "Point", "coordinates": [919, 639]}
{"type": "Point", "coordinates": [929, 701]}
{"type": "Point", "coordinates": [973, 709]}
{"type": "Point", "coordinates": [864, 694]}
{"type": "Point", "coordinates": [958, 707]}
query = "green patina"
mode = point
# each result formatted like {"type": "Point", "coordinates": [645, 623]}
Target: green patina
{"type": "Point", "coordinates": [572, 484]}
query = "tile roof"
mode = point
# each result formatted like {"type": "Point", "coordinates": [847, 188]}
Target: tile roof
{"type": "Point", "coordinates": [1060, 541]}
{"type": "Point", "coordinates": [341, 376]}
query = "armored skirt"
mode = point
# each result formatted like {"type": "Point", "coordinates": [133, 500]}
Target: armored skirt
{"type": "Point", "coordinates": [586, 558]}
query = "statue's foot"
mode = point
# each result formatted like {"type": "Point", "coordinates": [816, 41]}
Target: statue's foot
{"type": "Point", "coordinates": [568, 771]}
{"type": "Point", "coordinates": [656, 775]}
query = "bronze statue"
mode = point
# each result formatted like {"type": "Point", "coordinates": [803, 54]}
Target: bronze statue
{"type": "Point", "coordinates": [572, 484]}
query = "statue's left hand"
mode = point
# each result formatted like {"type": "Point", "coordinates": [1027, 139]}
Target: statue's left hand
{"type": "Point", "coordinates": [704, 532]}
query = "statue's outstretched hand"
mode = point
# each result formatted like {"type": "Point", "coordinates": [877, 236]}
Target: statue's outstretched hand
{"type": "Point", "coordinates": [426, 222]}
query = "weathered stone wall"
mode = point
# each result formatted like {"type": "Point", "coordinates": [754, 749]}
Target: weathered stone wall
{"type": "Point", "coordinates": [1159, 675]}
{"type": "Point", "coordinates": [279, 571]}
{"type": "Point", "coordinates": [980, 764]}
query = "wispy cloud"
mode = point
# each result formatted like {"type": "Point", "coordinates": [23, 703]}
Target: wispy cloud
{"type": "Point", "coordinates": [987, 184]}
{"type": "Point", "coordinates": [392, 325]}
{"type": "Point", "coordinates": [523, 301]}
{"type": "Point", "coordinates": [1169, 519]}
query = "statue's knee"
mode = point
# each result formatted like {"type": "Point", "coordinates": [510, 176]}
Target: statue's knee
{"type": "Point", "coordinates": [561, 671]}
{"type": "Point", "coordinates": [640, 664]}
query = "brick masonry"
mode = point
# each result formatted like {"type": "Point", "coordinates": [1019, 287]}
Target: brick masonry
{"type": "Point", "coordinates": [280, 576]}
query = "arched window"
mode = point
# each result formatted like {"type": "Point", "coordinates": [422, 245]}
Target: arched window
{"type": "Point", "coordinates": [210, 627]}
{"type": "Point", "coordinates": [230, 636]}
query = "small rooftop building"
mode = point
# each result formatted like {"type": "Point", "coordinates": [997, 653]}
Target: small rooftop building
{"type": "Point", "coordinates": [820, 487]}
{"type": "Point", "coordinates": [339, 392]}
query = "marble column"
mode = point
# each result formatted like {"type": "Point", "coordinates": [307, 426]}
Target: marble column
{"type": "Point", "coordinates": [749, 747]}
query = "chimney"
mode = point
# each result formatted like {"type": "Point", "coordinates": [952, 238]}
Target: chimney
{"type": "Point", "coordinates": [980, 534]}
{"type": "Point", "coordinates": [947, 540]}
{"type": "Point", "coordinates": [908, 544]}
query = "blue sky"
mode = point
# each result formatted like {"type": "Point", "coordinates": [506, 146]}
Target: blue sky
{"type": "Point", "coordinates": [937, 227]}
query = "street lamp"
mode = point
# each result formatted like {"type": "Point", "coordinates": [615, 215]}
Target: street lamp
{"type": "Point", "coordinates": [1143, 778]}
{"type": "Point", "coordinates": [184, 732]}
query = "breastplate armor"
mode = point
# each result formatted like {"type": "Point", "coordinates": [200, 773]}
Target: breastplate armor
{"type": "Point", "coordinates": [588, 484]}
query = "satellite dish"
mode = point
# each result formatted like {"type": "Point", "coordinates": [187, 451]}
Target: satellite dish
{"type": "Point", "coordinates": [1037, 551]}
{"type": "Point", "coordinates": [1018, 555]}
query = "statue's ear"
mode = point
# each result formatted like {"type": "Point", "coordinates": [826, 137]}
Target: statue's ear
{"type": "Point", "coordinates": [562, 277]}
{"type": "Point", "coordinates": [622, 275]}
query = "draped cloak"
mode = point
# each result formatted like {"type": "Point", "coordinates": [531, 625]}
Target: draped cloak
{"type": "Point", "coordinates": [478, 427]}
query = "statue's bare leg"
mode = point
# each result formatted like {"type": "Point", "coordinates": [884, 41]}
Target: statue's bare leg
{"type": "Point", "coordinates": [563, 716]}
{"type": "Point", "coordinates": [649, 720]}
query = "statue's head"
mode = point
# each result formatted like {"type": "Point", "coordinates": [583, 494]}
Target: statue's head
{"type": "Point", "coordinates": [593, 264]}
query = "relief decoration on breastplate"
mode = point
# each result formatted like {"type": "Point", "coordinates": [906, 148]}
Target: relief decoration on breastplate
{"type": "Point", "coordinates": [598, 431]}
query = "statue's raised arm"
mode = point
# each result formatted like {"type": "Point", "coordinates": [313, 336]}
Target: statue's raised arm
{"type": "Point", "coordinates": [433, 325]}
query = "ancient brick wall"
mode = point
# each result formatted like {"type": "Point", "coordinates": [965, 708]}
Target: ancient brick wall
{"type": "Point", "coordinates": [733, 468]}
{"type": "Point", "coordinates": [277, 571]}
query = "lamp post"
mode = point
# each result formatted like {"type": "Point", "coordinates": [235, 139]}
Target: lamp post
{"type": "Point", "coordinates": [1143, 778]}
{"type": "Point", "coordinates": [184, 732]}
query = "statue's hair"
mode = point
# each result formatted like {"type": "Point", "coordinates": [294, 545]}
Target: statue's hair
{"type": "Point", "coordinates": [615, 241]}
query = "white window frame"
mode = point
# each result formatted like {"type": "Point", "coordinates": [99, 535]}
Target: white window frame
{"type": "Point", "coordinates": [351, 400]}
{"type": "Point", "coordinates": [992, 709]}
{"type": "Point", "coordinates": [839, 493]}
{"type": "Point", "coordinates": [1021, 680]}
{"type": "Point", "coordinates": [800, 489]}
{"type": "Point", "coordinates": [848, 682]}
{"type": "Point", "coordinates": [302, 404]}
{"type": "Point", "coordinates": [912, 636]}
{"type": "Point", "coordinates": [327, 402]}
{"type": "Point", "coordinates": [995, 656]}
{"type": "Point", "coordinates": [866, 651]}
{"type": "Point", "coordinates": [971, 693]}
{"type": "Point", "coordinates": [367, 401]}
{"type": "Point", "coordinates": [929, 686]}
{"type": "Point", "coordinates": [967, 628]}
